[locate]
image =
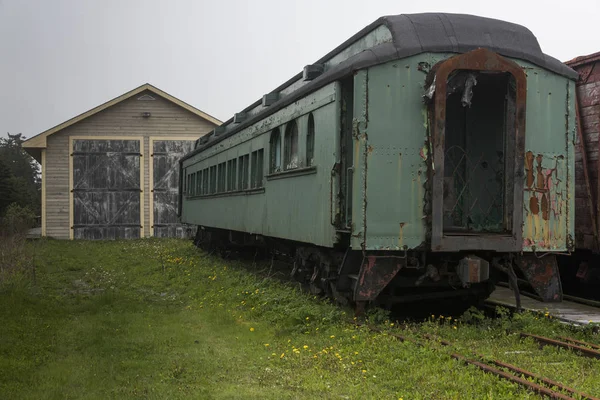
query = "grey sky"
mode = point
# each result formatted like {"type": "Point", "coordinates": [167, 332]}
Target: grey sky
{"type": "Point", "coordinates": [59, 58]}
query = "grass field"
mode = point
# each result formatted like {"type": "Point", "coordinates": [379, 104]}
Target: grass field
{"type": "Point", "coordinates": [160, 319]}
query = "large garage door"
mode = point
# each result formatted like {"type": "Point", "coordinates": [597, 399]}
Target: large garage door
{"type": "Point", "coordinates": [106, 189]}
{"type": "Point", "coordinates": [164, 191]}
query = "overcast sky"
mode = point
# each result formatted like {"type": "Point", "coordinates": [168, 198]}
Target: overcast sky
{"type": "Point", "coordinates": [59, 58]}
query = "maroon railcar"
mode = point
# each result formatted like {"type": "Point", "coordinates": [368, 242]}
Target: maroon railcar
{"type": "Point", "coordinates": [583, 268]}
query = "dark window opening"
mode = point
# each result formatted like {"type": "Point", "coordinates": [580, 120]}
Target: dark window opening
{"type": "Point", "coordinates": [275, 144]}
{"type": "Point", "coordinates": [291, 145]}
{"type": "Point", "coordinates": [206, 179]}
{"type": "Point", "coordinates": [221, 178]}
{"type": "Point", "coordinates": [310, 141]}
{"type": "Point", "coordinates": [257, 168]}
{"type": "Point", "coordinates": [231, 169]}
{"type": "Point", "coordinates": [213, 179]}
{"type": "Point", "coordinates": [479, 137]}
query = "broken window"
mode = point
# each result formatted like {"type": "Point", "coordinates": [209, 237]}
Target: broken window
{"type": "Point", "coordinates": [291, 145]}
{"type": "Point", "coordinates": [275, 143]}
{"type": "Point", "coordinates": [479, 136]}
{"type": "Point", "coordinates": [310, 141]}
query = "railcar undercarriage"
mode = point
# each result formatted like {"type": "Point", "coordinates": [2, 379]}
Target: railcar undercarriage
{"type": "Point", "coordinates": [383, 278]}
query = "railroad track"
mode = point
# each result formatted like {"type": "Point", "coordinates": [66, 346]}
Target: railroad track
{"type": "Point", "coordinates": [531, 381]}
{"type": "Point", "coordinates": [586, 349]}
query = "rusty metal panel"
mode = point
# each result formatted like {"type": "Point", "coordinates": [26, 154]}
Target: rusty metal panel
{"type": "Point", "coordinates": [106, 189]}
{"type": "Point", "coordinates": [542, 273]}
{"type": "Point", "coordinates": [587, 190]}
{"type": "Point", "coordinates": [549, 182]}
{"type": "Point", "coordinates": [165, 158]}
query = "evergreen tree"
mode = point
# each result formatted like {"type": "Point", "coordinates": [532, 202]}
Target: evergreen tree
{"type": "Point", "coordinates": [24, 182]}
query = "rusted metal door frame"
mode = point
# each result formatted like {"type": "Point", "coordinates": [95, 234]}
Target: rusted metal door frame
{"type": "Point", "coordinates": [476, 60]}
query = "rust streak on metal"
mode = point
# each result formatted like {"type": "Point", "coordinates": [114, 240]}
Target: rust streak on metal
{"type": "Point", "coordinates": [583, 350]}
{"type": "Point", "coordinates": [533, 386]}
{"type": "Point", "coordinates": [529, 168]}
{"type": "Point", "coordinates": [586, 176]}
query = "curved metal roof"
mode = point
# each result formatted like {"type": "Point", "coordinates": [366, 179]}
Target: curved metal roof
{"type": "Point", "coordinates": [460, 33]}
{"type": "Point", "coordinates": [414, 34]}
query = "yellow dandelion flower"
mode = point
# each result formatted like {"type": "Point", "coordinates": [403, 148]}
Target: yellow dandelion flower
{"type": "Point", "coordinates": [266, 344]}
{"type": "Point", "coordinates": [364, 371]}
{"type": "Point", "coordinates": [307, 318]}
{"type": "Point", "coordinates": [273, 354]}
{"type": "Point", "coordinates": [332, 336]}
{"type": "Point", "coordinates": [392, 324]}
{"type": "Point", "coordinates": [454, 327]}
{"type": "Point", "coordinates": [251, 329]}
{"type": "Point", "coordinates": [305, 347]}
{"type": "Point", "coordinates": [356, 353]}
{"type": "Point", "coordinates": [315, 356]}
{"type": "Point", "coordinates": [282, 355]}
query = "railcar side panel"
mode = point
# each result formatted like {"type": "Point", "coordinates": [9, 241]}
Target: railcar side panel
{"type": "Point", "coordinates": [549, 189]}
{"type": "Point", "coordinates": [295, 204]}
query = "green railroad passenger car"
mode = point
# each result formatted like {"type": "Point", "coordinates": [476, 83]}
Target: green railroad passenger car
{"type": "Point", "coordinates": [412, 162]}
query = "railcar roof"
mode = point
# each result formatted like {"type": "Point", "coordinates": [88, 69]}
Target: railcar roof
{"type": "Point", "coordinates": [413, 34]}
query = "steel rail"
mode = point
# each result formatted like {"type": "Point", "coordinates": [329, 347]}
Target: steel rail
{"type": "Point", "coordinates": [512, 377]}
{"type": "Point", "coordinates": [539, 389]}
{"type": "Point", "coordinates": [544, 340]}
{"type": "Point", "coordinates": [579, 342]}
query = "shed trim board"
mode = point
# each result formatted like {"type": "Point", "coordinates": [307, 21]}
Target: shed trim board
{"type": "Point", "coordinates": [71, 199]}
{"type": "Point", "coordinates": [43, 192]}
{"type": "Point", "coordinates": [40, 141]}
{"type": "Point", "coordinates": [151, 140]}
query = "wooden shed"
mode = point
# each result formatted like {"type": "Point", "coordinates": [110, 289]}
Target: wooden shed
{"type": "Point", "coordinates": [587, 168]}
{"type": "Point", "coordinates": [112, 172]}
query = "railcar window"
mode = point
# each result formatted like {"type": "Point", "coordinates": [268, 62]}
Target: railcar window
{"type": "Point", "coordinates": [221, 178]}
{"type": "Point", "coordinates": [275, 164]}
{"type": "Point", "coordinates": [291, 146]}
{"type": "Point", "coordinates": [189, 184]}
{"type": "Point", "coordinates": [184, 189]}
{"type": "Point", "coordinates": [256, 170]}
{"type": "Point", "coordinates": [199, 183]}
{"type": "Point", "coordinates": [206, 180]}
{"type": "Point", "coordinates": [246, 171]}
{"type": "Point", "coordinates": [213, 179]}
{"type": "Point", "coordinates": [231, 169]}
{"type": "Point", "coordinates": [310, 141]}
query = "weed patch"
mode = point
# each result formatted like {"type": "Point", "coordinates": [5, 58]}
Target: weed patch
{"type": "Point", "coordinates": [161, 319]}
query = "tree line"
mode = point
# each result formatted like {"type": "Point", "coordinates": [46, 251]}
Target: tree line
{"type": "Point", "coordinates": [20, 180]}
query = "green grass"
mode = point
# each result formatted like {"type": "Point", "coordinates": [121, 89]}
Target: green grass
{"type": "Point", "coordinates": [160, 319]}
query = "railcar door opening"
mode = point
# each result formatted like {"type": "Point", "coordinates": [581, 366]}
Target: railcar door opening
{"type": "Point", "coordinates": [477, 120]}
{"type": "Point", "coordinates": [479, 139]}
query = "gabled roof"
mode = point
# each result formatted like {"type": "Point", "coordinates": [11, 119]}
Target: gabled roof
{"type": "Point", "coordinates": [39, 141]}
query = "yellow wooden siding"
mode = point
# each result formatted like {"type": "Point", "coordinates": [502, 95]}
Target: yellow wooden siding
{"type": "Point", "coordinates": [123, 120]}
